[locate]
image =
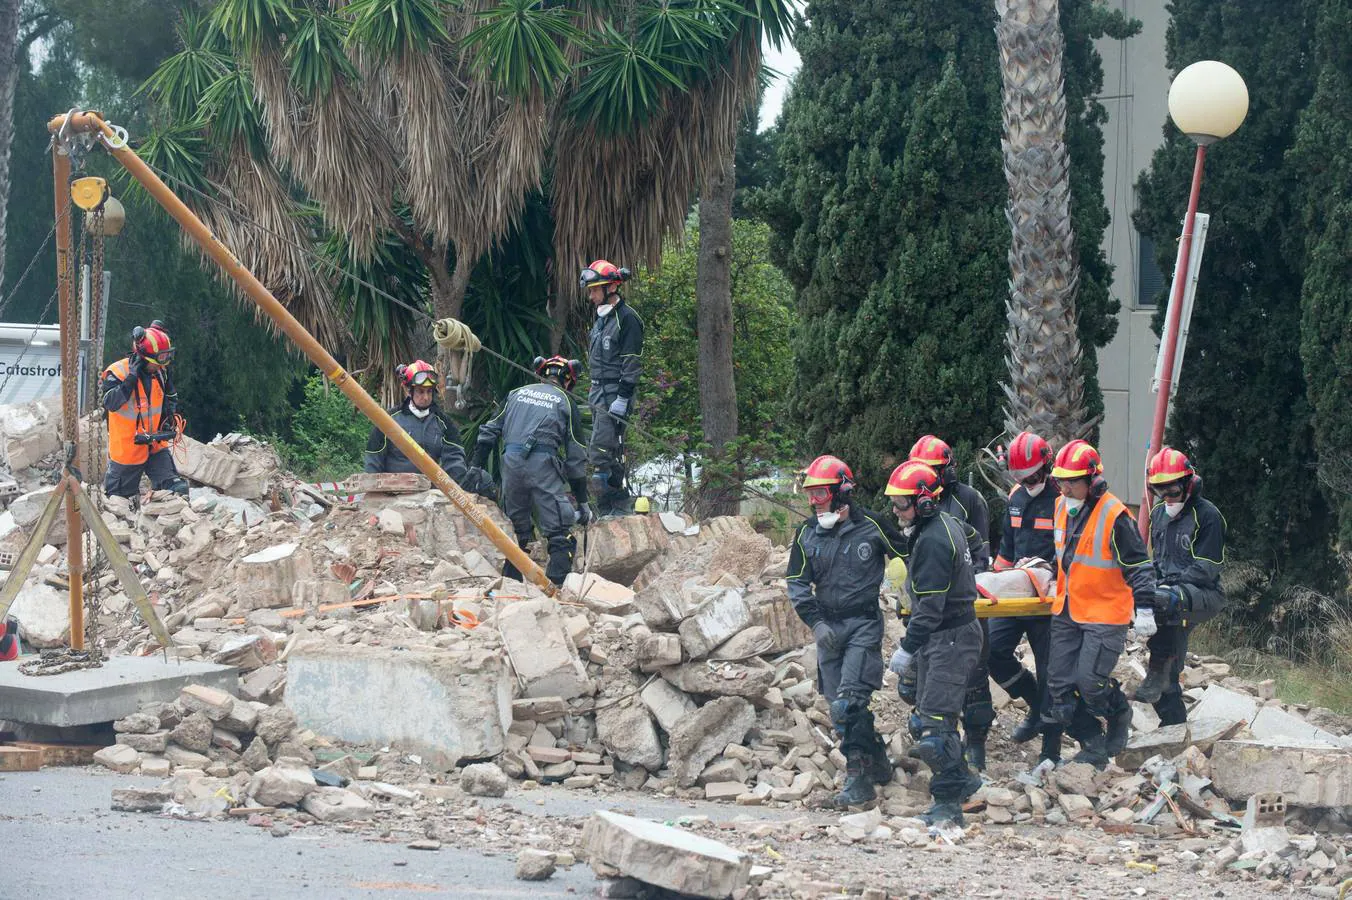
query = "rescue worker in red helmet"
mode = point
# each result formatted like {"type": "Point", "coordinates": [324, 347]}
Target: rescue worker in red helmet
{"type": "Point", "coordinates": [541, 433]}
{"type": "Point", "coordinates": [943, 639]}
{"type": "Point", "coordinates": [9, 638]}
{"type": "Point", "coordinates": [1104, 584]}
{"type": "Point", "coordinates": [1027, 534]}
{"type": "Point", "coordinates": [835, 575]}
{"type": "Point", "coordinates": [965, 503]}
{"type": "Point", "coordinates": [614, 355]}
{"type": "Point", "coordinates": [1187, 541]}
{"type": "Point", "coordinates": [431, 429]}
{"type": "Point", "coordinates": [142, 406]}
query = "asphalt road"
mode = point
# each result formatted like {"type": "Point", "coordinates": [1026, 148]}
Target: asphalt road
{"type": "Point", "coordinates": [61, 840]}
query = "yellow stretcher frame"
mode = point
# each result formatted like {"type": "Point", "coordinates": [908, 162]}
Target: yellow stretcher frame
{"type": "Point", "coordinates": [1012, 607]}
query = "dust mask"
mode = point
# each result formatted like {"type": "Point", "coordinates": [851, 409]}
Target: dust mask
{"type": "Point", "coordinates": [603, 311]}
{"type": "Point", "coordinates": [828, 520]}
{"type": "Point", "coordinates": [1036, 489]}
{"type": "Point", "coordinates": [1073, 506]}
{"type": "Point", "coordinates": [1172, 509]}
{"type": "Point", "coordinates": [420, 413]}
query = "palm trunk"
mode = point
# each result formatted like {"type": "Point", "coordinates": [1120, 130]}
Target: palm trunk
{"type": "Point", "coordinates": [720, 491]}
{"type": "Point", "coordinates": [1046, 383]}
{"type": "Point", "coordinates": [9, 79]}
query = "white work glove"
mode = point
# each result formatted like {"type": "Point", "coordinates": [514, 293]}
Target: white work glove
{"type": "Point", "coordinates": [901, 661]}
{"type": "Point", "coordinates": [1144, 623]}
{"type": "Point", "coordinates": [619, 407]}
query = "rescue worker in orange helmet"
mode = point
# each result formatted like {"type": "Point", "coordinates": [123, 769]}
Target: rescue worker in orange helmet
{"type": "Point", "coordinates": [943, 639]}
{"type": "Point", "coordinates": [1187, 542]}
{"type": "Point", "coordinates": [1027, 534]}
{"type": "Point", "coordinates": [614, 357]}
{"type": "Point", "coordinates": [431, 429]}
{"type": "Point", "coordinates": [965, 503]}
{"type": "Point", "coordinates": [142, 406]}
{"type": "Point", "coordinates": [836, 565]}
{"type": "Point", "coordinates": [1104, 584]}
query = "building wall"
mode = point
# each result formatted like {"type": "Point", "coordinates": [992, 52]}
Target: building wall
{"type": "Point", "coordinates": [1135, 94]}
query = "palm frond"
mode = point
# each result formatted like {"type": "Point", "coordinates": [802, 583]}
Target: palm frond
{"type": "Point", "coordinates": [518, 46]}
{"type": "Point", "coordinates": [391, 28]}
{"type": "Point", "coordinates": [315, 55]}
{"type": "Point", "coordinates": [228, 104]}
{"type": "Point", "coordinates": [248, 24]}
{"type": "Point", "coordinates": [622, 85]}
{"type": "Point", "coordinates": [181, 80]}
{"type": "Point", "coordinates": [179, 150]}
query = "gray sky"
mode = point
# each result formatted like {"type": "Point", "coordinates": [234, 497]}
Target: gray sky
{"type": "Point", "coordinates": [785, 61]}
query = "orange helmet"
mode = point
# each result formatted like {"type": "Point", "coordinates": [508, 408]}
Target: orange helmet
{"type": "Point", "coordinates": [418, 373]}
{"type": "Point", "coordinates": [602, 272]}
{"type": "Point", "coordinates": [1028, 455]}
{"type": "Point", "coordinates": [152, 343]}
{"type": "Point", "coordinates": [566, 370]}
{"type": "Point", "coordinates": [825, 470]}
{"type": "Point", "coordinates": [1078, 459]}
{"type": "Point", "coordinates": [917, 480]}
{"type": "Point", "coordinates": [1168, 468]}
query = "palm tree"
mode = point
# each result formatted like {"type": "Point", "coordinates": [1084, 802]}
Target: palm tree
{"type": "Point", "coordinates": [1045, 392]}
{"type": "Point", "coordinates": [430, 123]}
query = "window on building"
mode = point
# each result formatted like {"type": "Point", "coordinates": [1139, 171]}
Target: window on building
{"type": "Point", "coordinates": [1150, 282]}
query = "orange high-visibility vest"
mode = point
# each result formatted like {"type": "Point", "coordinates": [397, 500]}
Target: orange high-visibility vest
{"type": "Point", "coordinates": [1098, 592]}
{"type": "Point", "coordinates": [139, 415]}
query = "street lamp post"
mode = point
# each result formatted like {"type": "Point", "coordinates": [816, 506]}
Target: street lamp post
{"type": "Point", "coordinates": [1207, 101]}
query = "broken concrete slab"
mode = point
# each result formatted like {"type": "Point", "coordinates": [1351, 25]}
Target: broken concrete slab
{"type": "Point", "coordinates": [119, 757]}
{"type": "Point", "coordinates": [774, 611]}
{"type": "Point", "coordinates": [668, 703]}
{"type": "Point", "coordinates": [44, 615]}
{"type": "Point", "coordinates": [1222, 703]}
{"type": "Point", "coordinates": [1271, 722]}
{"type": "Point", "coordinates": [657, 651]}
{"type": "Point", "coordinates": [268, 577]}
{"type": "Point", "coordinates": [600, 595]}
{"type": "Point", "coordinates": [627, 731]}
{"type": "Point", "coordinates": [335, 804]}
{"type": "Point", "coordinates": [483, 780]}
{"type": "Point", "coordinates": [1167, 741]}
{"type": "Point", "coordinates": [1307, 774]}
{"type": "Point", "coordinates": [285, 783]}
{"type": "Point", "coordinates": [753, 641]}
{"type": "Point", "coordinates": [118, 688]}
{"type": "Point", "coordinates": [140, 799]}
{"type": "Point", "coordinates": [443, 705]}
{"type": "Point", "coordinates": [742, 555]}
{"type": "Point", "coordinates": [214, 704]}
{"type": "Point", "coordinates": [713, 622]}
{"type": "Point", "coordinates": [665, 857]}
{"type": "Point", "coordinates": [542, 655]}
{"type": "Point", "coordinates": [702, 735]}
{"type": "Point", "coordinates": [661, 603]}
{"type": "Point", "coordinates": [1204, 733]}
{"type": "Point", "coordinates": [619, 548]}
{"type": "Point", "coordinates": [750, 679]}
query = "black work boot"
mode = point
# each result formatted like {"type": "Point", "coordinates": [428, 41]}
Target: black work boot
{"type": "Point", "coordinates": [974, 748]}
{"type": "Point", "coordinates": [1171, 709]}
{"type": "Point", "coordinates": [878, 764]}
{"type": "Point", "coordinates": [1156, 680]}
{"type": "Point", "coordinates": [1119, 725]}
{"type": "Point", "coordinates": [1025, 687]}
{"type": "Point", "coordinates": [858, 790]}
{"type": "Point", "coordinates": [1092, 751]}
{"type": "Point", "coordinates": [1051, 745]}
{"type": "Point", "coordinates": [943, 812]}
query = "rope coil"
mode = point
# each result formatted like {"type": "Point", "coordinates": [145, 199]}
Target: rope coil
{"type": "Point", "coordinates": [459, 344]}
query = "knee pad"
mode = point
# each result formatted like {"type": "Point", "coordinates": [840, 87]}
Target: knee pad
{"type": "Point", "coordinates": [915, 726]}
{"type": "Point", "coordinates": [840, 713]}
{"type": "Point", "coordinates": [941, 750]}
{"type": "Point", "coordinates": [978, 716]}
{"type": "Point", "coordinates": [1105, 698]}
{"type": "Point", "coordinates": [1059, 712]}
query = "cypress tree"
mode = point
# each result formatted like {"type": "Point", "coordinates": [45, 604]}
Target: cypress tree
{"type": "Point", "coordinates": [1323, 157]}
{"type": "Point", "coordinates": [888, 210]}
{"type": "Point", "coordinates": [1242, 412]}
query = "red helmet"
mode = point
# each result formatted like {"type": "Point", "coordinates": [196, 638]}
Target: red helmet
{"type": "Point", "coordinates": [418, 373]}
{"type": "Point", "coordinates": [827, 470]}
{"type": "Point", "coordinates": [919, 481]}
{"type": "Point", "coordinates": [566, 370]}
{"type": "Point", "coordinates": [1028, 455]}
{"type": "Point", "coordinates": [1078, 459]}
{"type": "Point", "coordinates": [152, 343]}
{"type": "Point", "coordinates": [1169, 467]}
{"type": "Point", "coordinates": [931, 451]}
{"type": "Point", "coordinates": [602, 272]}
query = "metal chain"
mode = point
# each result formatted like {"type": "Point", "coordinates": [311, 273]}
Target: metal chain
{"type": "Point", "coordinates": [94, 365]}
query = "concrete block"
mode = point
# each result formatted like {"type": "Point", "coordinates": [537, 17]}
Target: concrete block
{"type": "Point", "coordinates": [753, 641]}
{"type": "Point", "coordinates": [750, 679]}
{"type": "Point", "coordinates": [267, 578]}
{"type": "Point", "coordinates": [285, 783]}
{"type": "Point", "coordinates": [702, 735]}
{"type": "Point", "coordinates": [664, 857]}
{"type": "Point", "coordinates": [116, 689]}
{"type": "Point", "coordinates": [627, 731]}
{"type": "Point", "coordinates": [657, 651]}
{"type": "Point", "coordinates": [1204, 733]}
{"type": "Point", "coordinates": [1307, 774]}
{"type": "Point", "coordinates": [667, 703]}
{"type": "Point", "coordinates": [443, 705]}
{"type": "Point", "coordinates": [335, 804]}
{"type": "Point", "coordinates": [312, 593]}
{"type": "Point", "coordinates": [207, 465]}
{"type": "Point", "coordinates": [541, 653]}
{"type": "Point", "coordinates": [1222, 703]}
{"type": "Point", "coordinates": [599, 594]}
{"type": "Point", "coordinates": [119, 757]}
{"type": "Point", "coordinates": [386, 483]}
{"type": "Point", "coordinates": [713, 622]}
{"type": "Point", "coordinates": [214, 704]}
{"type": "Point", "coordinates": [724, 790]}
{"type": "Point", "coordinates": [1167, 741]}
{"type": "Point", "coordinates": [1271, 722]}
{"type": "Point", "coordinates": [619, 548]}
{"type": "Point", "coordinates": [775, 612]}
{"type": "Point", "coordinates": [661, 603]}
{"type": "Point", "coordinates": [742, 555]}
{"type": "Point", "coordinates": [44, 615]}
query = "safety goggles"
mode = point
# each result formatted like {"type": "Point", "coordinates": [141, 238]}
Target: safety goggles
{"type": "Point", "coordinates": [819, 494]}
{"type": "Point", "coordinates": [1065, 484]}
{"type": "Point", "coordinates": [1033, 480]}
{"type": "Point", "coordinates": [590, 277]}
{"type": "Point", "coordinates": [1173, 490]}
{"type": "Point", "coordinates": [162, 358]}
{"type": "Point", "coordinates": [424, 379]}
{"type": "Point", "coordinates": [903, 503]}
